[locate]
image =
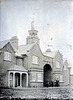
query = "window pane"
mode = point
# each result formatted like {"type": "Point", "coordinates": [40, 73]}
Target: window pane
{"type": "Point", "coordinates": [39, 77]}
{"type": "Point", "coordinates": [11, 76]}
{"type": "Point", "coordinates": [34, 60]}
{"type": "Point", "coordinates": [33, 77]}
{"type": "Point", "coordinates": [57, 65]}
{"type": "Point", "coordinates": [61, 78]}
{"type": "Point", "coordinates": [7, 56]}
{"type": "Point", "coordinates": [65, 67]}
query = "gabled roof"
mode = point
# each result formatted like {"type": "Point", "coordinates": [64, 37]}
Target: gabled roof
{"type": "Point", "coordinates": [17, 68]}
{"type": "Point", "coordinates": [24, 49]}
{"type": "Point", "coordinates": [3, 43]}
{"type": "Point", "coordinates": [50, 54]}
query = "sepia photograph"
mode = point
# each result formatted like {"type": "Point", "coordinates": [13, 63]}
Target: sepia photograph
{"type": "Point", "coordinates": [36, 49]}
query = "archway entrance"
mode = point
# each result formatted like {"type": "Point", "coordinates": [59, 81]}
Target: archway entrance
{"type": "Point", "coordinates": [17, 79]}
{"type": "Point", "coordinates": [24, 80]}
{"type": "Point", "coordinates": [47, 77]}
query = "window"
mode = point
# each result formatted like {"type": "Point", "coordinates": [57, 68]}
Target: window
{"type": "Point", "coordinates": [65, 67]}
{"type": "Point", "coordinates": [61, 78]}
{"type": "Point", "coordinates": [39, 77]}
{"type": "Point", "coordinates": [33, 77]}
{"type": "Point", "coordinates": [11, 79]}
{"type": "Point", "coordinates": [57, 65]}
{"type": "Point", "coordinates": [7, 56]}
{"type": "Point", "coordinates": [35, 60]}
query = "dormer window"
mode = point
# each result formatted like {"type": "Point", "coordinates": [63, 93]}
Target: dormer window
{"type": "Point", "coordinates": [7, 56]}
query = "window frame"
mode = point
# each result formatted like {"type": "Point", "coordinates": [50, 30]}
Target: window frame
{"type": "Point", "coordinates": [7, 56]}
{"type": "Point", "coordinates": [61, 78]}
{"type": "Point", "coordinates": [33, 77]}
{"type": "Point", "coordinates": [57, 64]}
{"type": "Point", "coordinates": [35, 60]}
{"type": "Point", "coordinates": [39, 79]}
{"type": "Point", "coordinates": [65, 67]}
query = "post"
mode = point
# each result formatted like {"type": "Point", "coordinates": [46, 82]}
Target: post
{"type": "Point", "coordinates": [8, 79]}
{"type": "Point", "coordinates": [26, 79]}
{"type": "Point", "coordinates": [13, 79]}
{"type": "Point", "coordinates": [20, 79]}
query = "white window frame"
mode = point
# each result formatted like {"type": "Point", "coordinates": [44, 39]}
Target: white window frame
{"type": "Point", "coordinates": [7, 56]}
{"type": "Point", "coordinates": [65, 67]}
{"type": "Point", "coordinates": [33, 77]}
{"type": "Point", "coordinates": [35, 60]}
{"type": "Point", "coordinates": [57, 64]}
{"type": "Point", "coordinates": [11, 76]}
{"type": "Point", "coordinates": [11, 79]}
{"type": "Point", "coordinates": [61, 78]}
{"type": "Point", "coordinates": [39, 79]}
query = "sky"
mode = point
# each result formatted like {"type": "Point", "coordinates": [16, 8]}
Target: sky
{"type": "Point", "coordinates": [52, 18]}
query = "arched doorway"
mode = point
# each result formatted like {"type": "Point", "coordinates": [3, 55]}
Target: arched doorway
{"type": "Point", "coordinates": [47, 77]}
{"type": "Point", "coordinates": [24, 80]}
{"type": "Point", "coordinates": [17, 79]}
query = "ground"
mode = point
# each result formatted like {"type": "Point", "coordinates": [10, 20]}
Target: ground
{"type": "Point", "coordinates": [38, 93]}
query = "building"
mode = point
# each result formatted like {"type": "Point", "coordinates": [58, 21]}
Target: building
{"type": "Point", "coordinates": [71, 80]}
{"type": "Point", "coordinates": [27, 66]}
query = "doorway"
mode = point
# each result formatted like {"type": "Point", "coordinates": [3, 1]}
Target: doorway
{"type": "Point", "coordinates": [47, 77]}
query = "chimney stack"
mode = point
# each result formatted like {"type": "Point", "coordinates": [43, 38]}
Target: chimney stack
{"type": "Point", "coordinates": [14, 41]}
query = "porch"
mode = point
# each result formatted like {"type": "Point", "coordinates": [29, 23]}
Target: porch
{"type": "Point", "coordinates": [17, 77]}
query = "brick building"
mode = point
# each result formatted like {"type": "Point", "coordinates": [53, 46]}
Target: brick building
{"type": "Point", "coordinates": [27, 66]}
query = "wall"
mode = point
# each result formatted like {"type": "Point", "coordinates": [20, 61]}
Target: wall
{"type": "Point", "coordinates": [38, 68]}
{"type": "Point", "coordinates": [57, 72]}
{"type": "Point", "coordinates": [71, 80]}
{"type": "Point", "coordinates": [19, 61]}
{"type": "Point", "coordinates": [5, 65]}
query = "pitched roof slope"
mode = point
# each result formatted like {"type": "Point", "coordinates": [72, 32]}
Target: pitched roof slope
{"type": "Point", "coordinates": [17, 68]}
{"type": "Point", "coordinates": [24, 49]}
{"type": "Point", "coordinates": [3, 43]}
{"type": "Point", "coordinates": [50, 54]}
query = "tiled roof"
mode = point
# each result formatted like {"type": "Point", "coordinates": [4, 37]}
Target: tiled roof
{"type": "Point", "coordinates": [17, 68]}
{"type": "Point", "coordinates": [3, 43]}
{"type": "Point", "coordinates": [24, 49]}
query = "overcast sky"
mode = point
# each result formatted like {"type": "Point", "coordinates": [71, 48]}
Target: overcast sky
{"type": "Point", "coordinates": [52, 19]}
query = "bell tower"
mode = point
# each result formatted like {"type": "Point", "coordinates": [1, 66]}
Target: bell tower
{"type": "Point", "coordinates": [32, 38]}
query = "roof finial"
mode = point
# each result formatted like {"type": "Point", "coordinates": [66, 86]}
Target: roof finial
{"type": "Point", "coordinates": [32, 25]}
